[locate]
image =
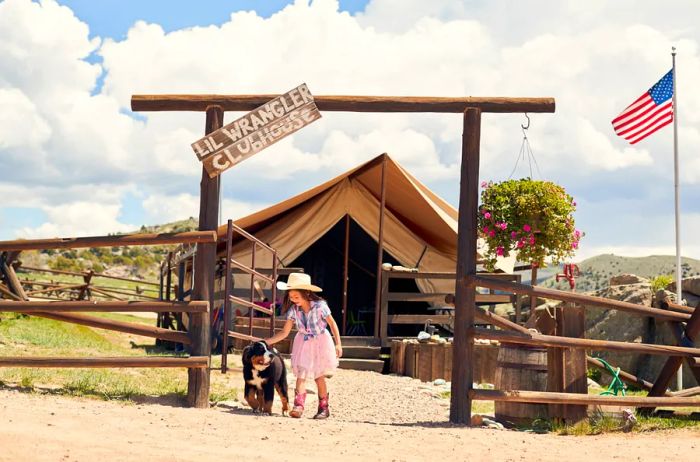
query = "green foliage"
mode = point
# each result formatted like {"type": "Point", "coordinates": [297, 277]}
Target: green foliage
{"type": "Point", "coordinates": [660, 282]}
{"type": "Point", "coordinates": [65, 264]}
{"type": "Point", "coordinates": [534, 218]}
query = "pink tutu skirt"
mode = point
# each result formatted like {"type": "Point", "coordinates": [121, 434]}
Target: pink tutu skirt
{"type": "Point", "coordinates": [314, 357]}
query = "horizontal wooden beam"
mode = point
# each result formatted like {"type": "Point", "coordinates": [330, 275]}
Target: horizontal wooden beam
{"type": "Point", "coordinates": [666, 305]}
{"type": "Point", "coordinates": [580, 299]}
{"type": "Point", "coordinates": [583, 343]}
{"type": "Point", "coordinates": [344, 103]}
{"type": "Point", "coordinates": [522, 396]}
{"type": "Point", "coordinates": [247, 270]}
{"type": "Point", "coordinates": [249, 304]}
{"type": "Point", "coordinates": [419, 318]}
{"type": "Point", "coordinates": [110, 241]}
{"type": "Point", "coordinates": [687, 392]}
{"type": "Point", "coordinates": [94, 306]}
{"type": "Point", "coordinates": [198, 362]}
{"type": "Point", "coordinates": [119, 326]}
{"type": "Point", "coordinates": [243, 336]}
{"type": "Point", "coordinates": [85, 273]}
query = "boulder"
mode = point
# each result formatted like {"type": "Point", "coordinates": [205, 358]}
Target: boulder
{"type": "Point", "coordinates": [607, 324]}
{"type": "Point", "coordinates": [689, 285]}
{"type": "Point", "coordinates": [625, 279]}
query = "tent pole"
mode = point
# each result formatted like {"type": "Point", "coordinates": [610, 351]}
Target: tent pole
{"type": "Point", "coordinates": [346, 255]}
{"type": "Point", "coordinates": [380, 248]}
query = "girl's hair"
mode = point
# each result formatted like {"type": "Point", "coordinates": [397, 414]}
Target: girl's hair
{"type": "Point", "coordinates": [305, 294]}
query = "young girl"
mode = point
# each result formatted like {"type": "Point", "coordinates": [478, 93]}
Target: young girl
{"type": "Point", "coordinates": [313, 353]}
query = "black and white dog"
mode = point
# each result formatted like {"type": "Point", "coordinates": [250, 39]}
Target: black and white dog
{"type": "Point", "coordinates": [264, 372]}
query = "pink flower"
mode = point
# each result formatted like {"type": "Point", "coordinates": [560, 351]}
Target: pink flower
{"type": "Point", "coordinates": [484, 184]}
{"type": "Point", "coordinates": [514, 235]}
{"type": "Point", "coordinates": [492, 233]}
{"type": "Point", "coordinates": [532, 240]}
{"type": "Point", "coordinates": [504, 226]}
{"type": "Point", "coordinates": [573, 203]}
{"type": "Point", "coordinates": [499, 251]}
{"type": "Point", "coordinates": [574, 245]}
{"type": "Point", "coordinates": [487, 215]}
{"type": "Point", "coordinates": [527, 228]}
{"type": "Point", "coordinates": [520, 244]}
{"type": "Point", "coordinates": [486, 229]}
{"type": "Point", "coordinates": [577, 233]}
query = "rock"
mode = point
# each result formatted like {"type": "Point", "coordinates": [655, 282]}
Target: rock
{"type": "Point", "coordinates": [439, 382]}
{"type": "Point", "coordinates": [625, 279]}
{"type": "Point", "coordinates": [691, 285]}
{"type": "Point", "coordinates": [608, 324]}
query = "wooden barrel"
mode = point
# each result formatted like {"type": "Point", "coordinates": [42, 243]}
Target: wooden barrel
{"type": "Point", "coordinates": [520, 367]}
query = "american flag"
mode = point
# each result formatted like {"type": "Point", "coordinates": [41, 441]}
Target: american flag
{"type": "Point", "coordinates": [650, 112]}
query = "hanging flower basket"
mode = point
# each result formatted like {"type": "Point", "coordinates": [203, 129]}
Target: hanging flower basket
{"type": "Point", "coordinates": [534, 218]}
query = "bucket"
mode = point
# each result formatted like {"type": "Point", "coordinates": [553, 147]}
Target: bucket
{"type": "Point", "coordinates": [520, 367]}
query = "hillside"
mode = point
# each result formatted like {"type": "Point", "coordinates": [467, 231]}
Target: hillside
{"type": "Point", "coordinates": [141, 262]}
{"type": "Point", "coordinates": [597, 271]}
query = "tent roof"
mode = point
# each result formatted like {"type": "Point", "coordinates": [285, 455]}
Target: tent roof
{"type": "Point", "coordinates": [421, 211]}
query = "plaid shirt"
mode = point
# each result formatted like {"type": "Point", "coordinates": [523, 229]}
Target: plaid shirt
{"type": "Point", "coordinates": [313, 323]}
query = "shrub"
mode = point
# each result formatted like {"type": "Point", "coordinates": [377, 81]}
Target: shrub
{"type": "Point", "coordinates": [661, 282]}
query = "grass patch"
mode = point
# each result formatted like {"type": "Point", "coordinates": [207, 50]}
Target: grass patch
{"type": "Point", "coordinates": [28, 336]}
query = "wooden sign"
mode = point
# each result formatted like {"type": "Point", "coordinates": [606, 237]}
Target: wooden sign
{"type": "Point", "coordinates": [255, 131]}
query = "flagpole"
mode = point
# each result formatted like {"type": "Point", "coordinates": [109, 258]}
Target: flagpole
{"type": "Point", "coordinates": [679, 274]}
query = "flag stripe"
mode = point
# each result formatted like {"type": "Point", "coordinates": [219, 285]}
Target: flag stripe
{"type": "Point", "coordinates": [648, 113]}
{"type": "Point", "coordinates": [642, 100]}
{"type": "Point", "coordinates": [633, 117]}
{"type": "Point", "coordinates": [668, 121]}
{"type": "Point", "coordinates": [662, 110]}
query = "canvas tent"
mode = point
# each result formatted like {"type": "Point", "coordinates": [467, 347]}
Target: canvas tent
{"type": "Point", "coordinates": [307, 230]}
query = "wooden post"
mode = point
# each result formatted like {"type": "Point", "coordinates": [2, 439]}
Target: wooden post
{"type": "Point", "coordinates": [346, 258]}
{"type": "Point", "coordinates": [85, 291]}
{"type": "Point", "coordinates": [567, 366]}
{"type": "Point", "coordinates": [205, 267]}
{"type": "Point", "coordinates": [383, 322]}
{"type": "Point", "coordinates": [692, 332]}
{"type": "Point", "coordinates": [463, 354]}
{"type": "Point", "coordinates": [380, 249]}
{"type": "Point", "coordinates": [227, 300]}
{"type": "Point", "coordinates": [533, 283]}
{"type": "Point", "coordinates": [12, 280]}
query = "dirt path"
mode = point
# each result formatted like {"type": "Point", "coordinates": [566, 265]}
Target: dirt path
{"type": "Point", "coordinates": [374, 417]}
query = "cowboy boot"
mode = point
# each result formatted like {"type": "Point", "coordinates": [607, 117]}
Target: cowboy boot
{"type": "Point", "coordinates": [323, 412]}
{"type": "Point", "coordinates": [298, 409]}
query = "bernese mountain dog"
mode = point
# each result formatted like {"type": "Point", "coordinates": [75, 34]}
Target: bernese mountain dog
{"type": "Point", "coordinates": [264, 372]}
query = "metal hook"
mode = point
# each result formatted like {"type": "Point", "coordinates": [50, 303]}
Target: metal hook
{"type": "Point", "coordinates": [528, 122]}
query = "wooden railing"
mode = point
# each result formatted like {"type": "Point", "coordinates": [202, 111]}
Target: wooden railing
{"type": "Point", "coordinates": [686, 350]}
{"type": "Point", "coordinates": [443, 298]}
{"type": "Point", "coordinates": [66, 310]}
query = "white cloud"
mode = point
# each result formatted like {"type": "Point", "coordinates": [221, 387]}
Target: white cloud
{"type": "Point", "coordinates": [76, 219]}
{"type": "Point", "coordinates": [594, 60]}
{"type": "Point", "coordinates": [168, 208]}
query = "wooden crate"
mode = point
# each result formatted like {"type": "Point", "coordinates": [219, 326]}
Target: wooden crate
{"type": "Point", "coordinates": [431, 361]}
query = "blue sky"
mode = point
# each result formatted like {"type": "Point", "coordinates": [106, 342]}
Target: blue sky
{"type": "Point", "coordinates": [83, 164]}
{"type": "Point", "coordinates": [113, 18]}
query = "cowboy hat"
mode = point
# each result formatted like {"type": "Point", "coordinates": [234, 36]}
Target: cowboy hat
{"type": "Point", "coordinates": [298, 281]}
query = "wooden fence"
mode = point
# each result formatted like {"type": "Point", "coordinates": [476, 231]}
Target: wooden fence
{"type": "Point", "coordinates": [658, 394]}
{"type": "Point", "coordinates": [199, 359]}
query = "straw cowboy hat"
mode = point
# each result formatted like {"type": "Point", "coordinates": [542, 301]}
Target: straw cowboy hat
{"type": "Point", "coordinates": [298, 281]}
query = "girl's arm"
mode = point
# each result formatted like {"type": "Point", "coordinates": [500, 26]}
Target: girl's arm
{"type": "Point", "coordinates": [336, 335]}
{"type": "Point", "coordinates": [281, 335]}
